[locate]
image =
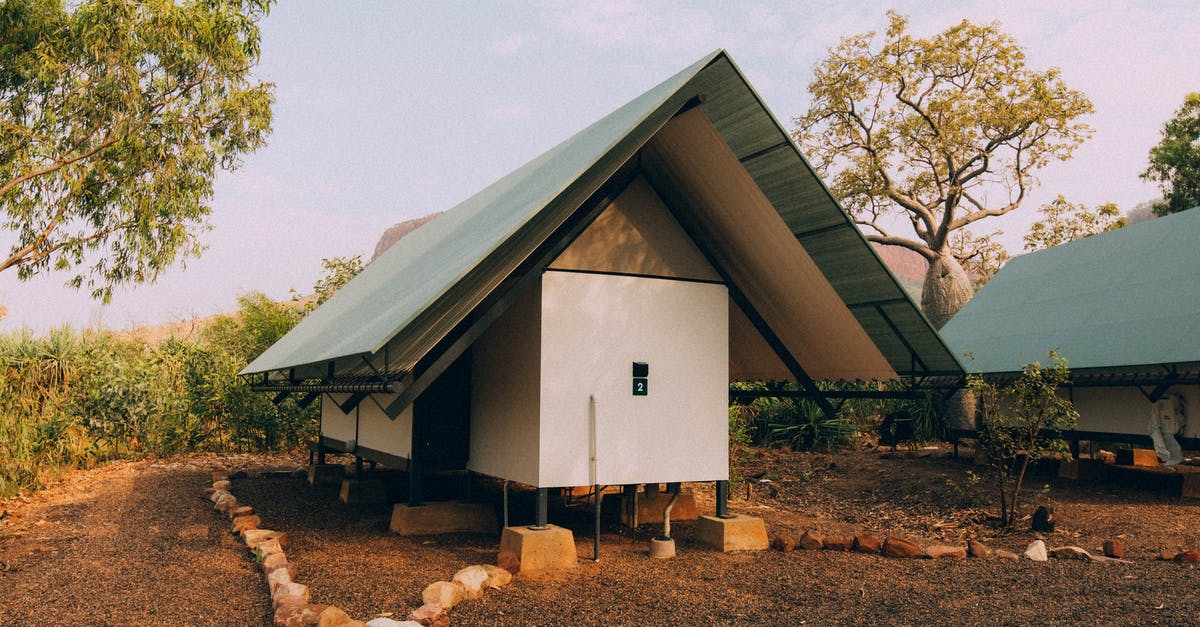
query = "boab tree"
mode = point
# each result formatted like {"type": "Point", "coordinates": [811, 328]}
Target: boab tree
{"type": "Point", "coordinates": [114, 116]}
{"type": "Point", "coordinates": [942, 132]}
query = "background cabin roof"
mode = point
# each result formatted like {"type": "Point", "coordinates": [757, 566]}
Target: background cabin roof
{"type": "Point", "coordinates": [1127, 299]}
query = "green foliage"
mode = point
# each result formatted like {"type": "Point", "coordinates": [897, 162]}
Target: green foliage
{"type": "Point", "coordinates": [70, 399]}
{"type": "Point", "coordinates": [1018, 425]}
{"type": "Point", "coordinates": [114, 117]}
{"type": "Point", "coordinates": [1064, 221]}
{"type": "Point", "coordinates": [800, 424]}
{"type": "Point", "coordinates": [338, 272]}
{"type": "Point", "coordinates": [1175, 161]}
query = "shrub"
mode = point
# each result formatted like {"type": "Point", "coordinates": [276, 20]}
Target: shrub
{"type": "Point", "coordinates": [1018, 425]}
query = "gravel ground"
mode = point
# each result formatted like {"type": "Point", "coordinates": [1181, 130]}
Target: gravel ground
{"type": "Point", "coordinates": [126, 544]}
{"type": "Point", "coordinates": [133, 544]}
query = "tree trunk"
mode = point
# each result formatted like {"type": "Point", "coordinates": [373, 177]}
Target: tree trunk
{"type": "Point", "coordinates": [947, 288]}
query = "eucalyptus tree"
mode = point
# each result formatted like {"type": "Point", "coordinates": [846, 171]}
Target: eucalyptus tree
{"type": "Point", "coordinates": [1175, 160]}
{"type": "Point", "coordinates": [115, 116]}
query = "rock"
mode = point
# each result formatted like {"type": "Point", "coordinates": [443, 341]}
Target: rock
{"type": "Point", "coordinates": [839, 543]}
{"type": "Point", "coordinates": [222, 484]}
{"type": "Point", "coordinates": [430, 616]}
{"type": "Point", "coordinates": [442, 594]}
{"type": "Point", "coordinates": [268, 547]}
{"type": "Point", "coordinates": [245, 523]}
{"type": "Point", "coordinates": [811, 540]}
{"type": "Point", "coordinates": [220, 475]}
{"type": "Point", "coordinates": [472, 580]}
{"type": "Point", "coordinates": [282, 593]}
{"type": "Point", "coordinates": [208, 492]}
{"type": "Point", "coordinates": [1043, 519]}
{"type": "Point", "coordinates": [867, 543]}
{"type": "Point", "coordinates": [216, 494]}
{"type": "Point", "coordinates": [1108, 457]}
{"type": "Point", "coordinates": [1188, 557]}
{"type": "Point", "coordinates": [1114, 548]}
{"type": "Point", "coordinates": [1168, 556]}
{"type": "Point", "coordinates": [1005, 554]}
{"type": "Point", "coordinates": [278, 561]}
{"type": "Point", "coordinates": [252, 537]}
{"type": "Point", "coordinates": [784, 544]}
{"type": "Point", "coordinates": [240, 510]}
{"type": "Point", "coordinates": [1036, 551]}
{"type": "Point", "coordinates": [509, 561]}
{"type": "Point", "coordinates": [899, 547]}
{"type": "Point", "coordinates": [975, 548]}
{"type": "Point", "coordinates": [298, 614]}
{"type": "Point", "coordinates": [1070, 553]}
{"type": "Point", "coordinates": [277, 578]}
{"type": "Point", "coordinates": [497, 577]}
{"type": "Point", "coordinates": [941, 551]}
{"type": "Point", "coordinates": [226, 504]}
{"type": "Point", "coordinates": [384, 621]}
{"type": "Point", "coordinates": [334, 617]}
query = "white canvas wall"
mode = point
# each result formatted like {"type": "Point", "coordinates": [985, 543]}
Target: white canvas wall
{"type": "Point", "coordinates": [593, 328]}
{"type": "Point", "coordinates": [376, 432]}
{"type": "Point", "coordinates": [335, 424]}
{"type": "Point", "coordinates": [1126, 410]}
{"type": "Point", "coordinates": [505, 379]}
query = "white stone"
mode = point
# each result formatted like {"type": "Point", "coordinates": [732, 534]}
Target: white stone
{"type": "Point", "coordinates": [472, 580]}
{"type": "Point", "coordinates": [497, 577]}
{"type": "Point", "coordinates": [1036, 551]}
{"type": "Point", "coordinates": [442, 594]}
{"type": "Point", "coordinates": [218, 494]}
{"type": "Point", "coordinates": [278, 577]}
{"type": "Point", "coordinates": [289, 590]}
{"type": "Point", "coordinates": [383, 621]}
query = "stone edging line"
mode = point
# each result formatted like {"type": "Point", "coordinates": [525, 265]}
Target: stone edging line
{"type": "Point", "coordinates": [291, 600]}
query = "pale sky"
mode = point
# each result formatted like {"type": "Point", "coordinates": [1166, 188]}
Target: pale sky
{"type": "Point", "coordinates": [387, 111]}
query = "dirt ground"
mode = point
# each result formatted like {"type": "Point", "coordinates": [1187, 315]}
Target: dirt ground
{"type": "Point", "coordinates": [134, 543]}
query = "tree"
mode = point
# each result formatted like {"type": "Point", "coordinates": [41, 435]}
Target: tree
{"type": "Point", "coordinates": [1019, 424]}
{"type": "Point", "coordinates": [933, 131]}
{"type": "Point", "coordinates": [981, 256]}
{"type": "Point", "coordinates": [1064, 221]}
{"type": "Point", "coordinates": [114, 117]}
{"type": "Point", "coordinates": [1175, 161]}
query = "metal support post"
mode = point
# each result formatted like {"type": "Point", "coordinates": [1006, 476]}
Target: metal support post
{"type": "Point", "coordinates": [414, 484]}
{"type": "Point", "coordinates": [723, 499]}
{"type": "Point", "coordinates": [542, 507]}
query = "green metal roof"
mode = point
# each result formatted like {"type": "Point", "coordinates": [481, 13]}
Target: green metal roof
{"type": "Point", "coordinates": [413, 296]}
{"type": "Point", "coordinates": [1116, 300]}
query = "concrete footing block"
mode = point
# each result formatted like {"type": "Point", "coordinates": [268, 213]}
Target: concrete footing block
{"type": "Point", "coordinates": [539, 551]}
{"type": "Point", "coordinates": [650, 510]}
{"type": "Point", "coordinates": [363, 492]}
{"type": "Point", "coordinates": [443, 517]}
{"type": "Point", "coordinates": [326, 474]}
{"type": "Point", "coordinates": [740, 533]}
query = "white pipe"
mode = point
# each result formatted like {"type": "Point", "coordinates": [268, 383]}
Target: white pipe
{"type": "Point", "coordinates": [592, 439]}
{"type": "Point", "coordinates": [667, 514]}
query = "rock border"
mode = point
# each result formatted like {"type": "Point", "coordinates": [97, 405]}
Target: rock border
{"type": "Point", "coordinates": [291, 600]}
{"type": "Point", "coordinates": [904, 548]}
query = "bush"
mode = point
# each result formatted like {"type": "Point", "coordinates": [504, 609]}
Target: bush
{"type": "Point", "coordinates": [1018, 425]}
{"type": "Point", "coordinates": [71, 399]}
